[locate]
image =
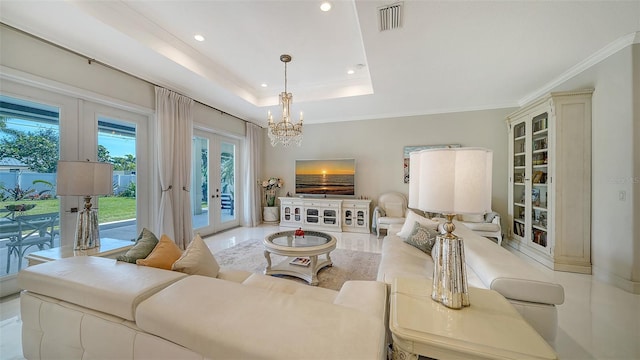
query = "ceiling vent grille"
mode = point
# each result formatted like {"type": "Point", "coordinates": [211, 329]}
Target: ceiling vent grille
{"type": "Point", "coordinates": [390, 16]}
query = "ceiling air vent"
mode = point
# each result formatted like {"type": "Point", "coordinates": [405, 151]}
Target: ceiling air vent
{"type": "Point", "coordinates": [390, 17]}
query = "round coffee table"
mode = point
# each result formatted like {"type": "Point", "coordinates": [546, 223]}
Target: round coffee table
{"type": "Point", "coordinates": [312, 244]}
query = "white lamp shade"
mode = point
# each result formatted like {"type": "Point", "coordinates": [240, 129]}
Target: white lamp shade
{"type": "Point", "coordinates": [84, 178]}
{"type": "Point", "coordinates": [414, 179]}
{"type": "Point", "coordinates": [453, 181]}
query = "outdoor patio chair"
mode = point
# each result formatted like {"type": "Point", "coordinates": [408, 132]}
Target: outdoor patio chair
{"type": "Point", "coordinates": [29, 230]}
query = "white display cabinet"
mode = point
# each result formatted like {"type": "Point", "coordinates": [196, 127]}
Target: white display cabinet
{"type": "Point", "coordinates": [325, 214]}
{"type": "Point", "coordinates": [550, 180]}
{"type": "Point", "coordinates": [355, 215]}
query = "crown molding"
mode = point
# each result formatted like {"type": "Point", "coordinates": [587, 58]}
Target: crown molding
{"type": "Point", "coordinates": [595, 58]}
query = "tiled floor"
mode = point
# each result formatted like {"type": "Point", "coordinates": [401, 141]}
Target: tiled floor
{"type": "Point", "coordinates": [597, 320]}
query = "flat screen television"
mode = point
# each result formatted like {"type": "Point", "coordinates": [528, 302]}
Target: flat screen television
{"type": "Point", "coordinates": [332, 177]}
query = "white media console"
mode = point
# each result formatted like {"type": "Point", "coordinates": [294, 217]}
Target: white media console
{"type": "Point", "coordinates": [350, 215]}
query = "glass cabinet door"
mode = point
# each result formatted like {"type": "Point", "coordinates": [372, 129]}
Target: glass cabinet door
{"type": "Point", "coordinates": [348, 217]}
{"type": "Point", "coordinates": [519, 176]}
{"type": "Point", "coordinates": [360, 217]}
{"type": "Point", "coordinates": [539, 172]}
{"type": "Point", "coordinates": [312, 216]}
{"type": "Point", "coordinates": [330, 217]}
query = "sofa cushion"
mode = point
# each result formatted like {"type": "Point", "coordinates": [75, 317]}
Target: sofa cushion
{"type": "Point", "coordinates": [163, 255]}
{"type": "Point", "coordinates": [225, 320]}
{"type": "Point", "coordinates": [400, 259]}
{"type": "Point", "coordinates": [422, 237]}
{"type": "Point", "coordinates": [410, 219]}
{"type": "Point", "coordinates": [366, 296]}
{"type": "Point", "coordinates": [145, 243]}
{"type": "Point", "coordinates": [290, 287]}
{"type": "Point", "coordinates": [197, 259]}
{"type": "Point", "coordinates": [504, 272]}
{"type": "Point", "coordinates": [101, 284]}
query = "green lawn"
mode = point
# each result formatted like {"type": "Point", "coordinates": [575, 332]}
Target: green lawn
{"type": "Point", "coordinates": [111, 208]}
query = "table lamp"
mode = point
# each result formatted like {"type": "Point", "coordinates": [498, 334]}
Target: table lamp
{"type": "Point", "coordinates": [450, 181]}
{"type": "Point", "coordinates": [85, 178]}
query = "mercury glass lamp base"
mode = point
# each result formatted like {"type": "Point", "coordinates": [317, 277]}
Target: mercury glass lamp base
{"type": "Point", "coordinates": [449, 272]}
{"type": "Point", "coordinates": [87, 233]}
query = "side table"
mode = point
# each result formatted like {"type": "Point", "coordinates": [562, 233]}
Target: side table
{"type": "Point", "coordinates": [109, 248]}
{"type": "Point", "coordinates": [491, 328]}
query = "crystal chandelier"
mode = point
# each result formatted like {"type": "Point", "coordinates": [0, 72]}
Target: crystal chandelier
{"type": "Point", "coordinates": [284, 131]}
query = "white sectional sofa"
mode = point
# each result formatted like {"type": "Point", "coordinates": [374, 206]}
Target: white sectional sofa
{"type": "Point", "coordinates": [488, 266]}
{"type": "Point", "coordinates": [90, 307]}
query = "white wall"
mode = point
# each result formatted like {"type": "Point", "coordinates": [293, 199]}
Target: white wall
{"type": "Point", "coordinates": [30, 55]}
{"type": "Point", "coordinates": [614, 242]}
{"type": "Point", "coordinates": [377, 145]}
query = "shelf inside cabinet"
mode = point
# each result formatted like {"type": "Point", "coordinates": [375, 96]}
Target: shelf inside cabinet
{"type": "Point", "coordinates": [539, 227]}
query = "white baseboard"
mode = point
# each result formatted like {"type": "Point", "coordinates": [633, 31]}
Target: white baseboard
{"type": "Point", "coordinates": [615, 280]}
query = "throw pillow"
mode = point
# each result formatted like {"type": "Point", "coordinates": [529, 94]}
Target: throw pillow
{"type": "Point", "coordinates": [163, 255]}
{"type": "Point", "coordinates": [197, 260]}
{"type": "Point", "coordinates": [422, 237]}
{"type": "Point", "coordinates": [411, 219]}
{"type": "Point", "coordinates": [144, 245]}
{"type": "Point", "coordinates": [473, 218]}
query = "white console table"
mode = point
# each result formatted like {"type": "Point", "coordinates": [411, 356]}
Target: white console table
{"type": "Point", "coordinates": [350, 215]}
{"type": "Point", "coordinates": [491, 328]}
{"type": "Point", "coordinates": [109, 248]}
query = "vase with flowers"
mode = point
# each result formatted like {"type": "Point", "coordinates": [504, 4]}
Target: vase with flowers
{"type": "Point", "coordinates": [270, 187]}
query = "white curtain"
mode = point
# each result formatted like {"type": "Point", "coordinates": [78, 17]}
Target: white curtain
{"type": "Point", "coordinates": [174, 134]}
{"type": "Point", "coordinates": [253, 146]}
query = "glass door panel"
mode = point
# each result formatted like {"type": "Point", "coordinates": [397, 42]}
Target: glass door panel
{"type": "Point", "coordinates": [29, 152]}
{"type": "Point", "coordinates": [117, 145]}
{"type": "Point", "coordinates": [228, 214]}
{"type": "Point", "coordinates": [214, 173]}
{"type": "Point", "coordinates": [200, 183]}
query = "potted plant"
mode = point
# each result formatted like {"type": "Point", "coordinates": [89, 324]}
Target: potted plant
{"type": "Point", "coordinates": [270, 187]}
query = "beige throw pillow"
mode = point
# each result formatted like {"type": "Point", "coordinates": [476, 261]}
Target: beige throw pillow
{"type": "Point", "coordinates": [163, 255]}
{"type": "Point", "coordinates": [197, 260]}
{"type": "Point", "coordinates": [411, 219]}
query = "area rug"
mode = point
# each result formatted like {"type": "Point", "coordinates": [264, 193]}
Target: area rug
{"type": "Point", "coordinates": [347, 264]}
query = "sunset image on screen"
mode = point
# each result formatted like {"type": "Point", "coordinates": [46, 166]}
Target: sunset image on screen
{"type": "Point", "coordinates": [328, 177]}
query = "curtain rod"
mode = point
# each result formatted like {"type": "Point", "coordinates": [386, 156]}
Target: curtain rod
{"type": "Point", "coordinates": [90, 61]}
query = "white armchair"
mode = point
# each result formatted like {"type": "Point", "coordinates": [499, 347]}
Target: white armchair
{"type": "Point", "coordinates": [391, 209]}
{"type": "Point", "coordinates": [487, 225]}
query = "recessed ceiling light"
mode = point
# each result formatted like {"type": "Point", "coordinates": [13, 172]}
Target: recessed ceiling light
{"type": "Point", "coordinates": [325, 6]}
{"type": "Point", "coordinates": [263, 85]}
{"type": "Point", "coordinates": [198, 37]}
{"type": "Point", "coordinates": [351, 71]}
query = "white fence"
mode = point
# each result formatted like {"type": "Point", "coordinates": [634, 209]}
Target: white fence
{"type": "Point", "coordinates": [25, 179]}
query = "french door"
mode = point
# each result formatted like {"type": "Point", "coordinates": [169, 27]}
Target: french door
{"type": "Point", "coordinates": [215, 196]}
{"type": "Point", "coordinates": [121, 138]}
{"type": "Point", "coordinates": [38, 127]}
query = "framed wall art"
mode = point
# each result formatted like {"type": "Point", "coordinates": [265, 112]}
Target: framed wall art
{"type": "Point", "coordinates": [409, 149]}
